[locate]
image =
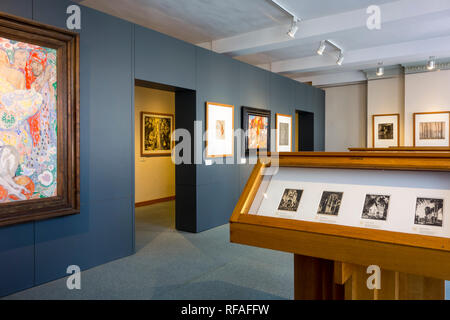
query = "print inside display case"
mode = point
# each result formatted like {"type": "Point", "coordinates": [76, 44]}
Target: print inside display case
{"type": "Point", "coordinates": [355, 209]}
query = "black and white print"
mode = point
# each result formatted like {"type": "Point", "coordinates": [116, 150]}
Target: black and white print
{"type": "Point", "coordinates": [290, 200]}
{"type": "Point", "coordinates": [429, 212]}
{"type": "Point", "coordinates": [376, 207]}
{"type": "Point", "coordinates": [330, 203]}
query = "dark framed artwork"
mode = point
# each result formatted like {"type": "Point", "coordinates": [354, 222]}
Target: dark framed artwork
{"type": "Point", "coordinates": [256, 125]}
{"type": "Point", "coordinates": [386, 130]}
{"type": "Point", "coordinates": [39, 121]}
{"type": "Point", "coordinates": [156, 134]}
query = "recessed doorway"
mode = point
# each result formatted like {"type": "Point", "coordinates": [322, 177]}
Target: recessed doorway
{"type": "Point", "coordinates": [157, 178]}
{"type": "Point", "coordinates": [305, 131]}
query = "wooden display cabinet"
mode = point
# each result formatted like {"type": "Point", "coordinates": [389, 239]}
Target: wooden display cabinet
{"type": "Point", "coordinates": [330, 260]}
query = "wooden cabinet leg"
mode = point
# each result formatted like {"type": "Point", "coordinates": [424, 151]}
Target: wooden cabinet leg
{"type": "Point", "coordinates": [314, 279]}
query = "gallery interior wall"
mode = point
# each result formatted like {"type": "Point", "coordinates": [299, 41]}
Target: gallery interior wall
{"type": "Point", "coordinates": [113, 53]}
{"type": "Point", "coordinates": [385, 96]}
{"type": "Point", "coordinates": [425, 92]}
{"type": "Point", "coordinates": [154, 176]}
{"type": "Point", "coordinates": [345, 117]}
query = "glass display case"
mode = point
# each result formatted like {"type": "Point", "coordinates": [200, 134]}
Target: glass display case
{"type": "Point", "coordinates": [342, 212]}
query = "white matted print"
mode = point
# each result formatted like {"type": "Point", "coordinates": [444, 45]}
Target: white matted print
{"type": "Point", "coordinates": [432, 129]}
{"type": "Point", "coordinates": [284, 133]}
{"type": "Point", "coordinates": [219, 130]}
{"type": "Point", "coordinates": [386, 130]}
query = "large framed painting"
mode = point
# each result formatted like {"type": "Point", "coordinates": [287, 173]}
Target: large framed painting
{"type": "Point", "coordinates": [283, 132]}
{"type": "Point", "coordinates": [386, 130]}
{"type": "Point", "coordinates": [219, 130]}
{"type": "Point", "coordinates": [256, 125]}
{"type": "Point", "coordinates": [432, 129]}
{"type": "Point", "coordinates": [39, 121]}
{"type": "Point", "coordinates": [156, 134]}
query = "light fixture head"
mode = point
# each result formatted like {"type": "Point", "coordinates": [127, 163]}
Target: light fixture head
{"type": "Point", "coordinates": [321, 48]}
{"type": "Point", "coordinates": [380, 69]}
{"type": "Point", "coordinates": [431, 65]}
{"type": "Point", "coordinates": [340, 59]}
{"type": "Point", "coordinates": [294, 28]}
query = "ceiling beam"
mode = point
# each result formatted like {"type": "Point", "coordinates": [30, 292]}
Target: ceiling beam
{"type": "Point", "coordinates": [324, 27]}
{"type": "Point", "coordinates": [398, 53]}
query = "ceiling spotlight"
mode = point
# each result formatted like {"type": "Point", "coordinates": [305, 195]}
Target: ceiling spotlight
{"type": "Point", "coordinates": [321, 48]}
{"type": "Point", "coordinates": [340, 59]}
{"type": "Point", "coordinates": [294, 28]}
{"type": "Point", "coordinates": [431, 65]}
{"type": "Point", "coordinates": [380, 69]}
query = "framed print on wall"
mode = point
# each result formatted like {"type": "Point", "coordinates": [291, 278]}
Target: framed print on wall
{"type": "Point", "coordinates": [284, 132]}
{"type": "Point", "coordinates": [386, 130]}
{"type": "Point", "coordinates": [219, 130]}
{"type": "Point", "coordinates": [156, 134]}
{"type": "Point", "coordinates": [432, 129]}
{"type": "Point", "coordinates": [39, 121]}
{"type": "Point", "coordinates": [256, 125]}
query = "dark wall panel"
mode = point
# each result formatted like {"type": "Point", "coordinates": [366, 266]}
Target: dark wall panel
{"type": "Point", "coordinates": [217, 81]}
{"type": "Point", "coordinates": [162, 59]}
{"type": "Point", "coordinates": [103, 230]}
{"type": "Point", "coordinates": [16, 242]}
{"type": "Point", "coordinates": [22, 8]}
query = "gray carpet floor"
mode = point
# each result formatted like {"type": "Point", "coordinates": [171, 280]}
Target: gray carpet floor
{"type": "Point", "coordinates": [169, 264]}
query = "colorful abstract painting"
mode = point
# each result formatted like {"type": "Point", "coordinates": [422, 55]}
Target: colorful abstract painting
{"type": "Point", "coordinates": [258, 127]}
{"type": "Point", "coordinates": [28, 121]}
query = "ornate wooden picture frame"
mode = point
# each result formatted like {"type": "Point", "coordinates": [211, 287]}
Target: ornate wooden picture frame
{"type": "Point", "coordinates": [256, 125]}
{"type": "Point", "coordinates": [39, 105]}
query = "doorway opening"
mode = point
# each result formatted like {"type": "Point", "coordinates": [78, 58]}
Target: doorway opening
{"type": "Point", "coordinates": [304, 131]}
{"type": "Point", "coordinates": [160, 109]}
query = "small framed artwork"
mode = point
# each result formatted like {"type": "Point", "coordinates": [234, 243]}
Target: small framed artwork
{"type": "Point", "coordinates": [330, 203]}
{"type": "Point", "coordinates": [432, 129]}
{"type": "Point", "coordinates": [256, 125]}
{"type": "Point", "coordinates": [376, 207]}
{"type": "Point", "coordinates": [39, 121]}
{"type": "Point", "coordinates": [290, 200]}
{"type": "Point", "coordinates": [385, 129]}
{"type": "Point", "coordinates": [219, 130]}
{"type": "Point", "coordinates": [156, 134]}
{"type": "Point", "coordinates": [429, 212]}
{"type": "Point", "coordinates": [284, 132]}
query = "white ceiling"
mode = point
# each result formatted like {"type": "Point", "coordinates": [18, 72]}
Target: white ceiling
{"type": "Point", "coordinates": [254, 31]}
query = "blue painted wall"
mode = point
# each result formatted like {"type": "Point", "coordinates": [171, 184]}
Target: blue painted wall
{"type": "Point", "coordinates": [113, 53]}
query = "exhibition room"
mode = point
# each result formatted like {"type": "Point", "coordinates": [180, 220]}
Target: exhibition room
{"type": "Point", "coordinates": [267, 150]}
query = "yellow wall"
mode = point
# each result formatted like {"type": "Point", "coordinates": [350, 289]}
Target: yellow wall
{"type": "Point", "coordinates": [155, 176]}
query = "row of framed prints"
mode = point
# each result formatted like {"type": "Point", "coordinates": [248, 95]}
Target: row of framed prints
{"type": "Point", "coordinates": [157, 128]}
{"type": "Point", "coordinates": [428, 211]}
{"type": "Point", "coordinates": [431, 129]}
{"type": "Point", "coordinates": [256, 123]}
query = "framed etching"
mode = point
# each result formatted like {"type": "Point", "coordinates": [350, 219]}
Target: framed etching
{"type": "Point", "coordinates": [432, 129]}
{"type": "Point", "coordinates": [256, 125]}
{"type": "Point", "coordinates": [386, 130]}
{"type": "Point", "coordinates": [156, 134]}
{"type": "Point", "coordinates": [330, 203]}
{"type": "Point", "coordinates": [283, 132]}
{"type": "Point", "coordinates": [219, 130]}
{"type": "Point", "coordinates": [39, 121]}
